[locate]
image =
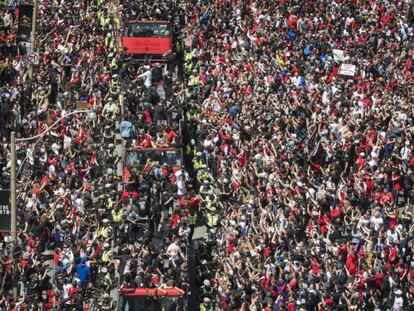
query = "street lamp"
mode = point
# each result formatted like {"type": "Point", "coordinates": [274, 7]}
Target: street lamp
{"type": "Point", "coordinates": [13, 224]}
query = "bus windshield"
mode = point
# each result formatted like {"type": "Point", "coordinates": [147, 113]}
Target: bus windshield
{"type": "Point", "coordinates": [148, 30]}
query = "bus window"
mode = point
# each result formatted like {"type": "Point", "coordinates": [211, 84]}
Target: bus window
{"type": "Point", "coordinates": [148, 30]}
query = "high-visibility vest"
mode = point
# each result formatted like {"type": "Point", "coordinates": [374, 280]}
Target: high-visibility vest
{"type": "Point", "coordinates": [203, 307]}
{"type": "Point", "coordinates": [178, 47]}
{"type": "Point", "coordinates": [108, 41]}
{"type": "Point", "coordinates": [113, 64]}
{"type": "Point", "coordinates": [191, 150]}
{"type": "Point", "coordinates": [192, 219]}
{"type": "Point", "coordinates": [188, 56]}
{"type": "Point", "coordinates": [110, 203]}
{"type": "Point", "coordinates": [212, 220]}
{"type": "Point", "coordinates": [197, 164]}
{"type": "Point", "coordinates": [194, 80]}
{"type": "Point", "coordinates": [106, 256]}
{"type": "Point", "coordinates": [116, 216]}
{"type": "Point", "coordinates": [104, 232]}
{"type": "Point", "coordinates": [203, 175]}
{"type": "Point", "coordinates": [188, 67]}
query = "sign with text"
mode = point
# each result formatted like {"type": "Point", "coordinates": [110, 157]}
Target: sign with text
{"type": "Point", "coordinates": [347, 70]}
{"type": "Point", "coordinates": [5, 215]}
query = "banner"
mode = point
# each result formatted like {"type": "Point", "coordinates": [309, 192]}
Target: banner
{"type": "Point", "coordinates": [5, 215]}
{"type": "Point", "coordinates": [25, 22]}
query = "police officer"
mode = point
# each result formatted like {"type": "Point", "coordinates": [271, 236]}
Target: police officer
{"type": "Point", "coordinates": [198, 161]}
{"type": "Point", "coordinates": [206, 305]}
{"type": "Point", "coordinates": [191, 148]}
{"type": "Point", "coordinates": [106, 254]}
{"type": "Point", "coordinates": [105, 231]}
{"type": "Point", "coordinates": [203, 270]}
{"type": "Point", "coordinates": [212, 217]}
{"type": "Point", "coordinates": [194, 80]}
{"type": "Point", "coordinates": [206, 291]}
{"type": "Point", "coordinates": [203, 174]}
{"type": "Point", "coordinates": [116, 221]}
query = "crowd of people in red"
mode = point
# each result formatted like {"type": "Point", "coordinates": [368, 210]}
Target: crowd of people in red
{"type": "Point", "coordinates": [301, 161]}
{"type": "Point", "coordinates": [311, 165]}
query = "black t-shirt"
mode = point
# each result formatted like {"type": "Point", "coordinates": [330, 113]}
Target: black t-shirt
{"type": "Point", "coordinates": [156, 74]}
{"type": "Point", "coordinates": [159, 113]}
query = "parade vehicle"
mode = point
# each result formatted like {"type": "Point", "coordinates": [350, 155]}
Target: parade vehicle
{"type": "Point", "coordinates": [148, 38]}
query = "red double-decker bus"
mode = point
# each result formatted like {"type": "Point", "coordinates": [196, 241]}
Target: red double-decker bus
{"type": "Point", "coordinates": [148, 38]}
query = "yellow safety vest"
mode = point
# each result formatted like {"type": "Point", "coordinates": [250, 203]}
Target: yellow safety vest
{"type": "Point", "coordinates": [188, 56]}
{"type": "Point", "coordinates": [197, 164]}
{"type": "Point", "coordinates": [203, 175]}
{"type": "Point", "coordinates": [194, 80]}
{"type": "Point", "coordinates": [113, 64]}
{"type": "Point", "coordinates": [110, 204]}
{"type": "Point", "coordinates": [104, 232]}
{"type": "Point", "coordinates": [188, 67]}
{"type": "Point", "coordinates": [106, 256]}
{"type": "Point", "coordinates": [116, 216]}
{"type": "Point", "coordinates": [192, 219]}
{"type": "Point", "coordinates": [209, 203]}
{"type": "Point", "coordinates": [212, 220]}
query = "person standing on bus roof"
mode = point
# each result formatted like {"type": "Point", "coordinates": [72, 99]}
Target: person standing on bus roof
{"type": "Point", "coordinates": [147, 76]}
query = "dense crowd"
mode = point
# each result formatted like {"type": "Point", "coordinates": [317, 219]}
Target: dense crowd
{"type": "Point", "coordinates": [301, 174]}
{"type": "Point", "coordinates": [81, 217]}
{"type": "Point", "coordinates": [306, 173]}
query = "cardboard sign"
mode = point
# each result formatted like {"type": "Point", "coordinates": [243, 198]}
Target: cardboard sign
{"type": "Point", "coordinates": [347, 70]}
{"type": "Point", "coordinates": [338, 55]}
{"type": "Point", "coordinates": [66, 142]}
{"type": "Point", "coordinates": [81, 105]}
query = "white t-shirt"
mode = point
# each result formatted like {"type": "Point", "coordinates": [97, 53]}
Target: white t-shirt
{"type": "Point", "coordinates": [392, 237]}
{"type": "Point", "coordinates": [147, 78]}
{"type": "Point", "coordinates": [207, 144]}
{"type": "Point", "coordinates": [66, 288]}
{"type": "Point", "coordinates": [405, 152]}
{"type": "Point", "coordinates": [173, 251]}
{"type": "Point", "coordinates": [181, 187]}
{"type": "Point", "coordinates": [398, 303]}
{"type": "Point", "coordinates": [377, 221]}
